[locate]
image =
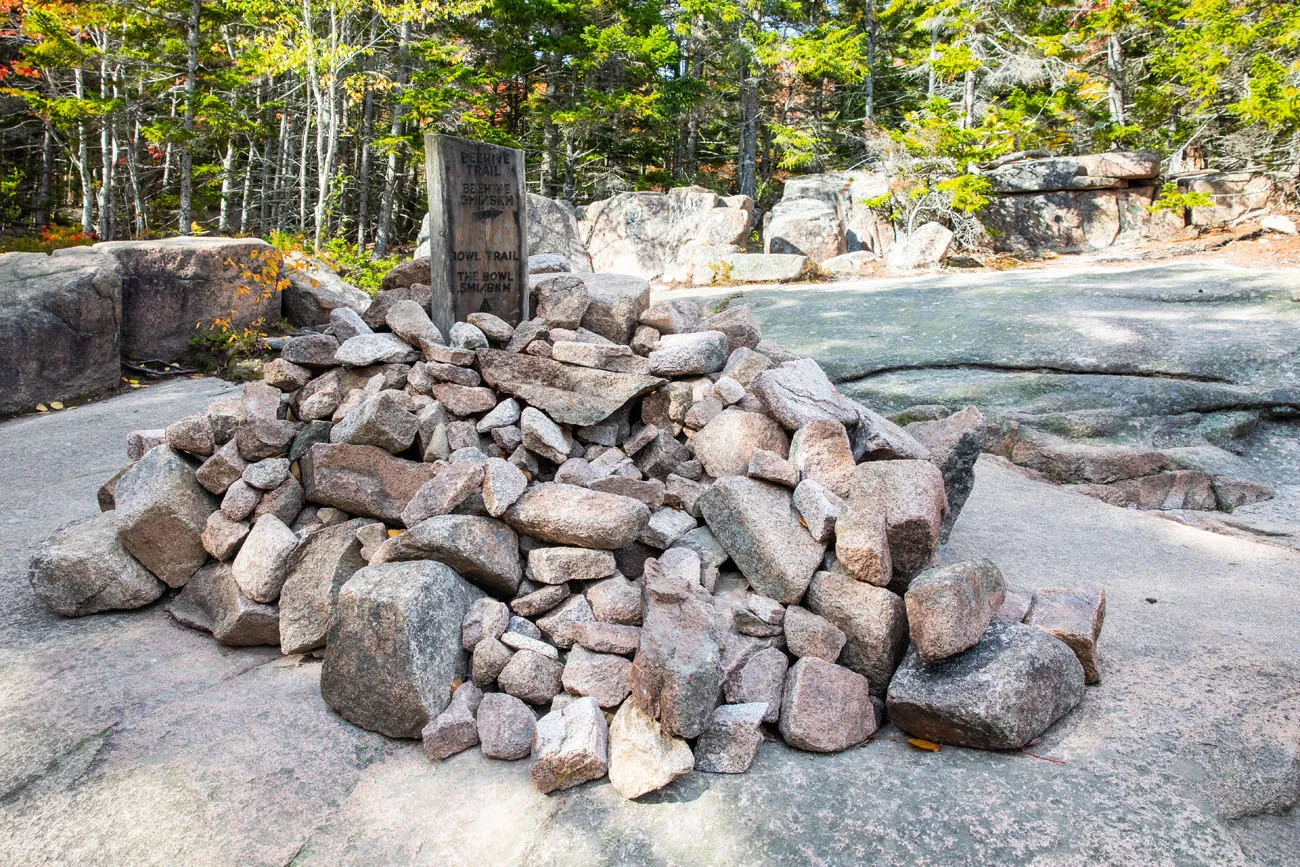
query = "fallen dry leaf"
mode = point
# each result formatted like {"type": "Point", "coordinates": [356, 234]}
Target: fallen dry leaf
{"type": "Point", "coordinates": [923, 744]}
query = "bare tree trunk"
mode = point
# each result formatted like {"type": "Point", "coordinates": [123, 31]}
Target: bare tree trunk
{"type": "Point", "coordinates": [302, 173]}
{"type": "Point", "coordinates": [968, 100]}
{"type": "Point", "coordinates": [83, 159]}
{"type": "Point", "coordinates": [550, 132]}
{"type": "Point", "coordinates": [363, 173]}
{"type": "Point", "coordinates": [747, 166]}
{"type": "Point", "coordinates": [869, 82]}
{"type": "Point", "coordinates": [106, 203]}
{"type": "Point", "coordinates": [227, 187]}
{"type": "Point", "coordinates": [691, 161]}
{"type": "Point", "coordinates": [246, 195]}
{"type": "Point", "coordinates": [933, 85]}
{"type": "Point", "coordinates": [384, 226]}
{"type": "Point", "coordinates": [133, 164]}
{"type": "Point", "coordinates": [44, 205]}
{"type": "Point", "coordinates": [186, 216]}
{"type": "Point", "coordinates": [1115, 78]}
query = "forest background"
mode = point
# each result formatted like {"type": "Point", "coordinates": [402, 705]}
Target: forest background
{"type": "Point", "coordinates": [303, 120]}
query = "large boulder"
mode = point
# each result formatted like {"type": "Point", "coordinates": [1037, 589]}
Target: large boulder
{"type": "Point", "coordinates": [314, 290]}
{"type": "Point", "coordinates": [949, 607]}
{"type": "Point", "coordinates": [825, 707]}
{"type": "Point", "coordinates": [553, 228]}
{"type": "Point", "coordinates": [763, 267]}
{"type": "Point", "coordinates": [82, 568]}
{"type": "Point", "coordinates": [926, 247]}
{"type": "Point", "coordinates": [170, 284]}
{"type": "Point", "coordinates": [212, 601]}
{"type": "Point", "coordinates": [318, 568]}
{"type": "Point", "coordinates": [807, 227]}
{"type": "Point", "coordinates": [395, 679]}
{"type": "Point", "coordinates": [484, 550]}
{"type": "Point", "coordinates": [569, 394]}
{"type": "Point", "coordinates": [58, 326]}
{"type": "Point", "coordinates": [162, 512]}
{"type": "Point", "coordinates": [999, 695]}
{"type": "Point", "coordinates": [570, 515]}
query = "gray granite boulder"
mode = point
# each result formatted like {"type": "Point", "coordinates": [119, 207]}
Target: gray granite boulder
{"type": "Point", "coordinates": [394, 680]}
{"type": "Point", "coordinates": [82, 568]}
{"type": "Point", "coordinates": [162, 512]}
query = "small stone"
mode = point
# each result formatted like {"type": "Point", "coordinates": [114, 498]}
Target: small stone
{"type": "Point", "coordinates": [505, 724]}
{"type": "Point", "coordinates": [726, 444]}
{"type": "Point", "coordinates": [544, 437]}
{"type": "Point", "coordinates": [443, 493]}
{"type": "Point", "coordinates": [409, 321]}
{"type": "Point", "coordinates": [367, 349]}
{"type": "Point", "coordinates": [642, 758]}
{"type": "Point", "coordinates": [648, 491]}
{"type": "Point", "coordinates": [372, 537]}
{"type": "Point", "coordinates": [662, 456]}
{"type": "Point", "coordinates": [260, 438]}
{"type": "Point", "coordinates": [531, 676]}
{"type": "Point", "coordinates": [446, 354]}
{"type": "Point", "coordinates": [346, 322]}
{"type": "Point", "coordinates": [799, 392]}
{"type": "Point", "coordinates": [678, 316]}
{"type": "Point", "coordinates": [140, 441]}
{"type": "Point", "coordinates": [610, 638]}
{"type": "Point", "coordinates": [505, 413]}
{"type": "Point", "coordinates": [466, 336]}
{"type": "Point", "coordinates": [808, 634]}
{"type": "Point", "coordinates": [819, 507]}
{"type": "Point", "coordinates": [82, 568]}
{"type": "Point", "coordinates": [759, 680]}
{"type": "Point", "coordinates": [730, 743]}
{"type": "Point", "coordinates": [222, 536]}
{"type": "Point", "coordinates": [728, 390]}
{"type": "Point", "coordinates": [999, 695]}
{"type": "Point", "coordinates": [743, 364]}
{"type": "Point", "coordinates": [666, 526]}
{"type": "Point", "coordinates": [520, 641]}
{"type": "Point", "coordinates": [562, 301]}
{"type": "Point", "coordinates": [602, 676]}
{"type": "Point", "coordinates": [739, 324]}
{"type": "Point", "coordinates": [262, 565]}
{"type": "Point", "coordinates": [192, 434]}
{"type": "Point", "coordinates": [562, 624]}
{"type": "Point", "coordinates": [503, 484]}
{"type": "Point", "coordinates": [771, 467]}
{"type": "Point", "coordinates": [454, 730]}
{"type": "Point", "coordinates": [756, 523]}
{"type": "Point", "coordinates": [686, 354]}
{"type": "Point", "coordinates": [955, 443]}
{"type": "Point", "coordinates": [266, 474]}
{"type": "Point", "coordinates": [524, 627]}
{"type": "Point", "coordinates": [558, 565]}
{"type": "Point", "coordinates": [222, 470]}
{"type": "Point", "coordinates": [311, 350]}
{"type": "Point", "coordinates": [873, 619]}
{"type": "Point", "coordinates": [240, 500]}
{"type": "Point", "coordinates": [285, 375]}
{"type": "Point", "coordinates": [284, 501]}
{"type": "Point", "coordinates": [486, 618]}
{"type": "Point", "coordinates": [463, 400]}
{"type": "Point", "coordinates": [912, 495]}
{"type": "Point", "coordinates": [494, 328]}
{"type": "Point", "coordinates": [703, 412]}
{"type": "Point", "coordinates": [509, 439]}
{"type": "Point", "coordinates": [644, 340]}
{"type": "Point", "coordinates": [1014, 607]}
{"type": "Point", "coordinates": [540, 601]}
{"type": "Point", "coordinates": [461, 435]}
{"type": "Point", "coordinates": [571, 747]}
{"type": "Point", "coordinates": [1074, 615]}
{"type": "Point", "coordinates": [820, 450]}
{"type": "Point", "coordinates": [949, 608]}
{"type": "Point", "coordinates": [825, 707]}
{"type": "Point", "coordinates": [569, 515]}
{"type": "Point", "coordinates": [616, 600]}
{"type": "Point", "coordinates": [487, 661]}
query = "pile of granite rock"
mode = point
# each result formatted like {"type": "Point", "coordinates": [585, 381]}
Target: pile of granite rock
{"type": "Point", "coordinates": [615, 539]}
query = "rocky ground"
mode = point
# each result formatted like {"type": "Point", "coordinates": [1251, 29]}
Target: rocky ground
{"type": "Point", "coordinates": [1195, 359]}
{"type": "Point", "coordinates": [128, 739]}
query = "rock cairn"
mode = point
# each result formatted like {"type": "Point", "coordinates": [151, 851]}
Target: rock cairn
{"type": "Point", "coordinates": [616, 539]}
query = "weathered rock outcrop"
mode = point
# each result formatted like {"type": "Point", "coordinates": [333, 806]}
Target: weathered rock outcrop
{"type": "Point", "coordinates": [59, 318]}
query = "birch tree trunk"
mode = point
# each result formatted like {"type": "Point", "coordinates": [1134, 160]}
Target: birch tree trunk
{"type": "Point", "coordinates": [384, 226]}
{"type": "Point", "coordinates": [44, 205]}
{"type": "Point", "coordinates": [186, 216]}
{"type": "Point", "coordinates": [1115, 78]}
{"type": "Point", "coordinates": [227, 187]}
{"type": "Point", "coordinates": [83, 159]}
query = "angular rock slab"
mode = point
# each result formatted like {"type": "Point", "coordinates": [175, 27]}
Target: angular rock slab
{"type": "Point", "coordinates": [395, 679]}
{"type": "Point", "coordinates": [162, 512]}
{"type": "Point", "coordinates": [728, 442]}
{"type": "Point", "coordinates": [569, 515]}
{"type": "Point", "coordinates": [318, 568]}
{"type": "Point", "coordinates": [948, 608]}
{"type": "Point", "coordinates": [362, 480]}
{"type": "Point", "coordinates": [757, 524]}
{"type": "Point", "coordinates": [914, 501]}
{"type": "Point", "coordinates": [569, 394]}
{"type": "Point", "coordinates": [212, 601]}
{"type": "Point", "coordinates": [677, 672]}
{"type": "Point", "coordinates": [825, 707]}
{"type": "Point", "coordinates": [730, 743]}
{"type": "Point", "coordinates": [571, 747]}
{"type": "Point", "coordinates": [82, 568]}
{"type": "Point", "coordinates": [642, 758]}
{"type": "Point", "coordinates": [483, 550]}
{"type": "Point", "coordinates": [999, 695]}
{"type": "Point", "coordinates": [1074, 615]}
{"type": "Point", "coordinates": [506, 727]}
{"type": "Point", "coordinates": [955, 443]}
{"type": "Point", "coordinates": [454, 730]}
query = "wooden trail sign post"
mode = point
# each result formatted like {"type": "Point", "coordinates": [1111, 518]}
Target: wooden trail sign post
{"type": "Point", "coordinates": [478, 230]}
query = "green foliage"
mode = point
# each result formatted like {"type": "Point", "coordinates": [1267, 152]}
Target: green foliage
{"type": "Point", "coordinates": [1172, 199]}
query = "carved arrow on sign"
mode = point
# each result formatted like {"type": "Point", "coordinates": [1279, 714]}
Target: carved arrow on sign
{"type": "Point", "coordinates": [487, 215]}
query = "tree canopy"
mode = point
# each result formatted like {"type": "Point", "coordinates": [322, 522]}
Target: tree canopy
{"type": "Point", "coordinates": [129, 118]}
